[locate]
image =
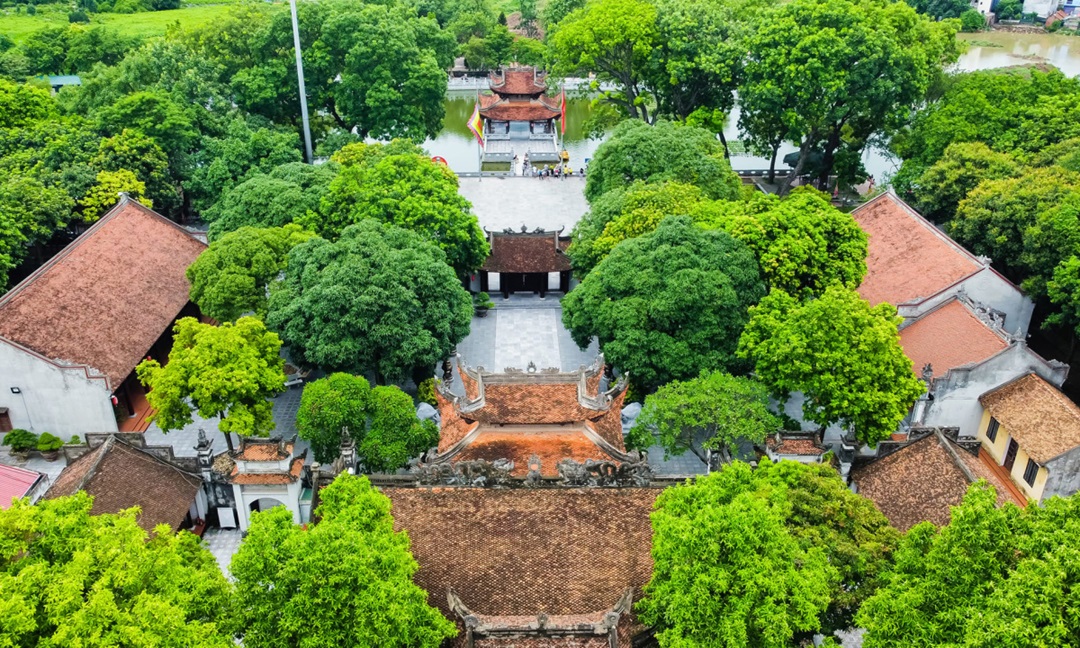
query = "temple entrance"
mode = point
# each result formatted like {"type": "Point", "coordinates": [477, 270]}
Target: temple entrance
{"type": "Point", "coordinates": [525, 282]}
{"type": "Point", "coordinates": [264, 504]}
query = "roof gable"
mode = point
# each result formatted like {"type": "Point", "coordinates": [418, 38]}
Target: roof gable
{"type": "Point", "coordinates": [106, 298]}
{"type": "Point", "coordinates": [532, 252]}
{"type": "Point", "coordinates": [909, 259]}
{"type": "Point", "coordinates": [15, 482]}
{"type": "Point", "coordinates": [1043, 420]}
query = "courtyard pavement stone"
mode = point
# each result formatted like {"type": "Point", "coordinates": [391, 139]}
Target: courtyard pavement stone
{"type": "Point", "coordinates": [223, 543]}
{"type": "Point", "coordinates": [501, 202]}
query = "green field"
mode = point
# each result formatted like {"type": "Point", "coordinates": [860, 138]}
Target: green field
{"type": "Point", "coordinates": [146, 24]}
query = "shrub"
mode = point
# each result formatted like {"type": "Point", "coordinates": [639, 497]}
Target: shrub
{"type": "Point", "coordinates": [128, 6]}
{"type": "Point", "coordinates": [483, 300]}
{"type": "Point", "coordinates": [74, 440]}
{"type": "Point", "coordinates": [425, 392]}
{"type": "Point", "coordinates": [78, 16]}
{"type": "Point", "coordinates": [972, 21]}
{"type": "Point", "coordinates": [48, 442]}
{"type": "Point", "coordinates": [31, 10]}
{"type": "Point", "coordinates": [20, 440]}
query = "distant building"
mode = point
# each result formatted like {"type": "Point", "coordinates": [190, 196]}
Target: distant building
{"type": "Point", "coordinates": [72, 333]}
{"type": "Point", "coordinates": [519, 119]}
{"type": "Point", "coordinates": [920, 481]}
{"type": "Point", "coordinates": [1032, 431]}
{"type": "Point", "coordinates": [16, 483]}
{"type": "Point", "coordinates": [263, 473]}
{"type": "Point", "coordinates": [121, 475]}
{"type": "Point", "coordinates": [526, 262]}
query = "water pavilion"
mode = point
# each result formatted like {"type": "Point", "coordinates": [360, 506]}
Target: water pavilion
{"type": "Point", "coordinates": [518, 118]}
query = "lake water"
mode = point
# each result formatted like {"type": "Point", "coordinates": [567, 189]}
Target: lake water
{"type": "Point", "coordinates": [459, 147]}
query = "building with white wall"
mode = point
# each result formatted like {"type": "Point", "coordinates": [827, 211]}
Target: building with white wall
{"type": "Point", "coordinates": [72, 333]}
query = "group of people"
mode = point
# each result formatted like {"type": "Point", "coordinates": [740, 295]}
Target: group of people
{"type": "Point", "coordinates": [559, 171]}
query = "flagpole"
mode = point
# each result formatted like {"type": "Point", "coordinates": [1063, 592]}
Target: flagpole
{"type": "Point", "coordinates": [479, 148]}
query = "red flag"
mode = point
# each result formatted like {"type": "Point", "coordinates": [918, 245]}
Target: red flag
{"type": "Point", "coordinates": [562, 117]}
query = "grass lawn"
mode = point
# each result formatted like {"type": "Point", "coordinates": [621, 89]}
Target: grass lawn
{"type": "Point", "coordinates": [146, 24]}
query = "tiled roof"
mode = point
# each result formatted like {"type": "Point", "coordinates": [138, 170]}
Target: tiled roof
{"type": "Point", "coordinates": [120, 476]}
{"type": "Point", "coordinates": [527, 253]}
{"type": "Point", "coordinates": [798, 446]}
{"type": "Point", "coordinates": [908, 258]}
{"type": "Point", "coordinates": [104, 300]}
{"type": "Point", "coordinates": [549, 444]}
{"type": "Point", "coordinates": [1043, 421]}
{"type": "Point", "coordinates": [923, 479]}
{"type": "Point", "coordinates": [269, 478]}
{"type": "Point", "coordinates": [256, 450]}
{"type": "Point", "coordinates": [517, 81]}
{"type": "Point", "coordinates": [949, 336]}
{"type": "Point", "coordinates": [15, 482]}
{"type": "Point", "coordinates": [532, 403]}
{"type": "Point", "coordinates": [512, 110]}
{"type": "Point", "coordinates": [523, 552]}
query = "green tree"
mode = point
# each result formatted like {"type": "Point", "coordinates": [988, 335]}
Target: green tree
{"type": "Point", "coordinates": [960, 169]}
{"type": "Point", "coordinates": [1009, 9]}
{"type": "Point", "coordinates": [667, 305]}
{"type": "Point", "coordinates": [835, 73]}
{"type": "Point", "coordinates": [613, 39]}
{"type": "Point", "coordinates": [70, 578]}
{"type": "Point", "coordinates": [1063, 289]}
{"type": "Point", "coordinates": [624, 213]}
{"type": "Point", "coordinates": [103, 195]}
{"type": "Point", "coordinates": [868, 386]}
{"type": "Point", "coordinates": [22, 104]}
{"type": "Point", "coordinates": [727, 571]}
{"type": "Point", "coordinates": [156, 115]}
{"type": "Point", "coordinates": [394, 435]}
{"type": "Point", "coordinates": [498, 45]}
{"type": "Point", "coordinates": [525, 51]}
{"type": "Point", "coordinates": [555, 10]}
{"type": "Point", "coordinates": [379, 299]}
{"type": "Point", "coordinates": [664, 152]}
{"type": "Point", "coordinates": [407, 190]}
{"type": "Point", "coordinates": [364, 594]}
{"type": "Point", "coordinates": [328, 405]}
{"type": "Point", "coordinates": [285, 194]}
{"type": "Point", "coordinates": [232, 277]}
{"type": "Point", "coordinates": [228, 371]}
{"type": "Point", "coordinates": [802, 243]}
{"type": "Point", "coordinates": [709, 413]}
{"type": "Point", "coordinates": [972, 20]}
{"type": "Point", "coordinates": [132, 151]}
{"type": "Point", "coordinates": [30, 212]}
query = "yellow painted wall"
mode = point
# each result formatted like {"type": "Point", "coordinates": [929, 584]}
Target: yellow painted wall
{"type": "Point", "coordinates": [997, 448]}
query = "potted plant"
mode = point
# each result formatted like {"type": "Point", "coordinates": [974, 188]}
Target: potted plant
{"type": "Point", "coordinates": [482, 304]}
{"type": "Point", "coordinates": [74, 440]}
{"type": "Point", "coordinates": [21, 442]}
{"type": "Point", "coordinates": [49, 446]}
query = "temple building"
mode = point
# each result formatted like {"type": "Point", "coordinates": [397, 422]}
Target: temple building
{"type": "Point", "coordinates": [518, 118]}
{"type": "Point", "coordinates": [526, 261]}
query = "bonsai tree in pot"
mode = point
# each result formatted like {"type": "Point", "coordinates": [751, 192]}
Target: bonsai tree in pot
{"type": "Point", "coordinates": [482, 304]}
{"type": "Point", "coordinates": [21, 441]}
{"type": "Point", "coordinates": [49, 446]}
{"type": "Point", "coordinates": [74, 440]}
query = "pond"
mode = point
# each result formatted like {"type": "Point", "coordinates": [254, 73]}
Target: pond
{"type": "Point", "coordinates": [987, 50]}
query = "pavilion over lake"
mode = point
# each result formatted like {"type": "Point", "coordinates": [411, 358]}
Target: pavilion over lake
{"type": "Point", "coordinates": [519, 118]}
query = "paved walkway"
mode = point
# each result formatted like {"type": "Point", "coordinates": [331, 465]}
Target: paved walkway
{"type": "Point", "coordinates": [502, 202]}
{"type": "Point", "coordinates": [223, 543]}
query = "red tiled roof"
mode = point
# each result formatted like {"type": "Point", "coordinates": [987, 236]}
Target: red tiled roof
{"type": "Point", "coordinates": [527, 253]}
{"type": "Point", "coordinates": [522, 552]}
{"type": "Point", "coordinates": [104, 300]}
{"type": "Point", "coordinates": [256, 450]}
{"type": "Point", "coordinates": [551, 445]}
{"type": "Point", "coordinates": [923, 479]}
{"type": "Point", "coordinates": [1043, 421]}
{"type": "Point", "coordinates": [947, 337]}
{"type": "Point", "coordinates": [268, 478]}
{"type": "Point", "coordinates": [532, 403]}
{"type": "Point", "coordinates": [15, 482]}
{"type": "Point", "coordinates": [517, 81]}
{"type": "Point", "coordinates": [120, 476]}
{"type": "Point", "coordinates": [908, 258]}
{"type": "Point", "coordinates": [801, 447]}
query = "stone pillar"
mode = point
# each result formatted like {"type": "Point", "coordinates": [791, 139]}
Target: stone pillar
{"type": "Point", "coordinates": [204, 450]}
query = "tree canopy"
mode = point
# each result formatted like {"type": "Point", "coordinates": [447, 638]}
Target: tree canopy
{"type": "Point", "coordinates": [666, 151]}
{"type": "Point", "coordinates": [761, 558]}
{"type": "Point", "coordinates": [70, 578]}
{"type": "Point", "coordinates": [851, 371]}
{"type": "Point", "coordinates": [380, 299]}
{"type": "Point", "coordinates": [667, 305]}
{"type": "Point", "coordinates": [394, 434]}
{"type": "Point", "coordinates": [712, 412]}
{"type": "Point", "coordinates": [963, 165]}
{"type": "Point", "coordinates": [285, 194]}
{"type": "Point", "coordinates": [345, 581]}
{"type": "Point", "coordinates": [328, 405]}
{"type": "Point", "coordinates": [232, 277]}
{"type": "Point", "coordinates": [399, 185]}
{"type": "Point", "coordinates": [229, 371]}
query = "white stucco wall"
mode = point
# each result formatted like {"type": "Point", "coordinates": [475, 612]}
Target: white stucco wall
{"type": "Point", "coordinates": [989, 289]}
{"type": "Point", "coordinates": [63, 401]}
{"type": "Point", "coordinates": [246, 495]}
{"type": "Point", "coordinates": [1041, 7]}
{"type": "Point", "coordinates": [956, 395]}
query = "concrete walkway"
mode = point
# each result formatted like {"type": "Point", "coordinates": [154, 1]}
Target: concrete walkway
{"type": "Point", "coordinates": [549, 203]}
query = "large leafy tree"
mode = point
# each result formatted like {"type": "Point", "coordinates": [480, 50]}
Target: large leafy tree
{"type": "Point", "coordinates": [624, 213]}
{"type": "Point", "coordinates": [22, 104]}
{"type": "Point", "coordinates": [285, 194]}
{"type": "Point", "coordinates": [850, 370]}
{"type": "Point", "coordinates": [667, 305]}
{"type": "Point", "coordinates": [330, 405]}
{"type": "Point", "coordinates": [362, 593]}
{"type": "Point", "coordinates": [107, 187]}
{"type": "Point", "coordinates": [130, 150]}
{"type": "Point", "coordinates": [834, 73]}
{"type": "Point", "coordinates": [666, 151]}
{"type": "Point", "coordinates": [394, 434]}
{"type": "Point", "coordinates": [30, 212]}
{"type": "Point", "coordinates": [614, 39]}
{"type": "Point", "coordinates": [229, 371]}
{"type": "Point", "coordinates": [712, 412]}
{"type": "Point", "coordinates": [802, 243]}
{"type": "Point", "coordinates": [993, 576]}
{"type": "Point", "coordinates": [726, 569]}
{"type": "Point", "coordinates": [408, 190]}
{"type": "Point", "coordinates": [379, 299]}
{"type": "Point", "coordinates": [157, 115]}
{"type": "Point", "coordinates": [962, 166]}
{"type": "Point", "coordinates": [70, 578]}
{"type": "Point", "coordinates": [232, 276]}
